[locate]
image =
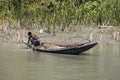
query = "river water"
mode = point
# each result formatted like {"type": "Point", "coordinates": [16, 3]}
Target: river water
{"type": "Point", "coordinates": [100, 63]}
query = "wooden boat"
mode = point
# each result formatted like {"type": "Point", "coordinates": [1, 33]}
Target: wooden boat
{"type": "Point", "coordinates": [69, 50]}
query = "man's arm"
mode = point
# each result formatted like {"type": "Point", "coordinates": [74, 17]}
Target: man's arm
{"type": "Point", "coordinates": [28, 40]}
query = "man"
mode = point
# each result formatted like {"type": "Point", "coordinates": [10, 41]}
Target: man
{"type": "Point", "coordinates": [33, 39]}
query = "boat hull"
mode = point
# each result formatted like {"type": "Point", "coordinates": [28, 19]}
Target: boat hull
{"type": "Point", "coordinates": [72, 50]}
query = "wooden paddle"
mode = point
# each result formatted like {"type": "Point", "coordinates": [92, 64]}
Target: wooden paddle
{"type": "Point", "coordinates": [29, 45]}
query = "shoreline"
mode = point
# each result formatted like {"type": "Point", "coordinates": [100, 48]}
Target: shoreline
{"type": "Point", "coordinates": [94, 34]}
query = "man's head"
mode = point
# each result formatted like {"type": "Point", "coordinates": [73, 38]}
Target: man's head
{"type": "Point", "coordinates": [29, 33]}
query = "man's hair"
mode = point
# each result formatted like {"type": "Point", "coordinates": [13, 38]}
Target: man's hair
{"type": "Point", "coordinates": [29, 33]}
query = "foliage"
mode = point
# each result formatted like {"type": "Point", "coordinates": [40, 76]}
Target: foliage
{"type": "Point", "coordinates": [60, 12]}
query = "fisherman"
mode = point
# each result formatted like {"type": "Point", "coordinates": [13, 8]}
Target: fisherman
{"type": "Point", "coordinates": [33, 39]}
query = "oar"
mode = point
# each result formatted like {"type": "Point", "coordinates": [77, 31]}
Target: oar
{"type": "Point", "coordinates": [29, 45]}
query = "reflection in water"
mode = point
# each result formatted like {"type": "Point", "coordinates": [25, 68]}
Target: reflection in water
{"type": "Point", "coordinates": [100, 63]}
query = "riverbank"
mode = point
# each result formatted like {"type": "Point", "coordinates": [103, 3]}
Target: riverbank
{"type": "Point", "coordinates": [103, 35]}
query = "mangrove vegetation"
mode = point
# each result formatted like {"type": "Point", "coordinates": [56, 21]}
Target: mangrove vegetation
{"type": "Point", "coordinates": [58, 14]}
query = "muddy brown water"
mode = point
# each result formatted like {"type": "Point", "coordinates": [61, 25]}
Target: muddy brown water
{"type": "Point", "coordinates": [100, 63]}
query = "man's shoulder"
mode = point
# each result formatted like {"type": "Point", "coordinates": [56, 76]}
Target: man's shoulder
{"type": "Point", "coordinates": [35, 36]}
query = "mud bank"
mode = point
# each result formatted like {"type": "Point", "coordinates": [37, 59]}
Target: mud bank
{"type": "Point", "coordinates": [85, 34]}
